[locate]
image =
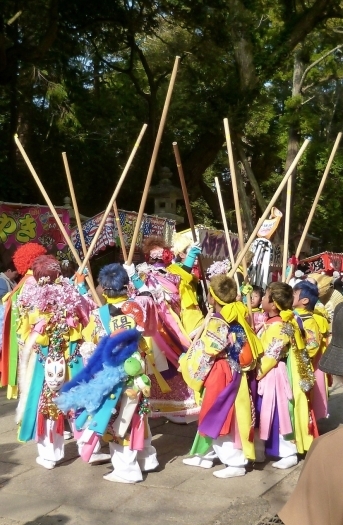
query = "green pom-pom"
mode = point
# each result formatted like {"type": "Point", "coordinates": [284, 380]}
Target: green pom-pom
{"type": "Point", "coordinates": [132, 367]}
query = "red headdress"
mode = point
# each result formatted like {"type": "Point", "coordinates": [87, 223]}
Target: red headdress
{"type": "Point", "coordinates": [25, 255]}
{"type": "Point", "coordinates": [155, 248]}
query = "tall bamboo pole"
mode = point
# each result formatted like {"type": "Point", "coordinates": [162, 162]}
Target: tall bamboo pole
{"type": "Point", "coordinates": [153, 159]}
{"type": "Point", "coordinates": [76, 211]}
{"type": "Point", "coordinates": [113, 198]}
{"type": "Point", "coordinates": [120, 231]}
{"type": "Point", "coordinates": [55, 214]}
{"type": "Point", "coordinates": [269, 207]}
{"type": "Point", "coordinates": [316, 200]}
{"type": "Point", "coordinates": [237, 208]}
{"type": "Point", "coordinates": [226, 229]}
{"type": "Point", "coordinates": [188, 208]}
{"type": "Point", "coordinates": [318, 194]}
{"type": "Point", "coordinates": [287, 226]}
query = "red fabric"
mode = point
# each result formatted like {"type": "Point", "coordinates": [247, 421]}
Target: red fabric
{"type": "Point", "coordinates": [219, 377]}
{"type": "Point", "coordinates": [40, 425]}
{"type": "Point", "coordinates": [275, 319]}
{"type": "Point", "coordinates": [60, 425]}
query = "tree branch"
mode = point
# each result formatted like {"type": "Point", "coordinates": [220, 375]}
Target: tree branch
{"type": "Point", "coordinates": [319, 11]}
{"type": "Point", "coordinates": [250, 174]}
{"type": "Point", "coordinates": [316, 62]}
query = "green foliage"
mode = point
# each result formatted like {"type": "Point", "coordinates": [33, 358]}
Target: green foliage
{"type": "Point", "coordinates": [83, 76]}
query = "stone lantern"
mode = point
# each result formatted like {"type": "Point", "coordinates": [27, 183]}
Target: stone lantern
{"type": "Point", "coordinates": [165, 196]}
{"type": "Point", "coordinates": [306, 249]}
{"type": "Point", "coordinates": [68, 206]}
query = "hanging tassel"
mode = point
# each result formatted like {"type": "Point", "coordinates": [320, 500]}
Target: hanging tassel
{"type": "Point", "coordinates": [60, 425]}
{"type": "Point", "coordinates": [253, 420]}
{"type": "Point", "coordinates": [40, 425]}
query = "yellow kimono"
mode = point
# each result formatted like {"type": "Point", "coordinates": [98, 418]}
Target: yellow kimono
{"type": "Point", "coordinates": [285, 356]}
{"type": "Point", "coordinates": [316, 327]}
{"type": "Point", "coordinates": [191, 315]}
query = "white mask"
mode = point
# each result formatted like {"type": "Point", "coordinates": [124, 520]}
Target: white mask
{"type": "Point", "coordinates": [55, 373]}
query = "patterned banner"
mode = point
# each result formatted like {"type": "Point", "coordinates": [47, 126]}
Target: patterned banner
{"type": "Point", "coordinates": [21, 223]}
{"type": "Point", "coordinates": [150, 226]}
{"type": "Point", "coordinates": [325, 261]}
{"type": "Point", "coordinates": [214, 246]}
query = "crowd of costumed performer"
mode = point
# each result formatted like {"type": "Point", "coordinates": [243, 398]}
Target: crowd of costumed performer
{"type": "Point", "coordinates": [116, 407]}
{"type": "Point", "coordinates": [285, 421]}
{"type": "Point", "coordinates": [215, 367]}
{"type": "Point", "coordinates": [316, 331]}
{"type": "Point", "coordinates": [51, 315]}
{"type": "Point", "coordinates": [174, 289]}
{"type": "Point", "coordinates": [23, 259]}
{"type": "Point", "coordinates": [222, 268]}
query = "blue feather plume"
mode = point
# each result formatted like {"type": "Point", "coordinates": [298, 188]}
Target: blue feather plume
{"type": "Point", "coordinates": [111, 351]}
{"type": "Point", "coordinates": [90, 395]}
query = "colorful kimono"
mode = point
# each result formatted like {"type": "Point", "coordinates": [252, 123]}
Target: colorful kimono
{"type": "Point", "coordinates": [212, 367]}
{"type": "Point", "coordinates": [285, 377]}
{"type": "Point", "coordinates": [122, 418]}
{"type": "Point", "coordinates": [259, 317]}
{"type": "Point", "coordinates": [316, 328]}
{"type": "Point", "coordinates": [50, 323]}
{"type": "Point", "coordinates": [170, 340]}
{"type": "Point", "coordinates": [11, 341]}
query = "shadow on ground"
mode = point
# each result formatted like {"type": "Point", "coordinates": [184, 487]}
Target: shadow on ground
{"type": "Point", "coordinates": [8, 463]}
{"type": "Point", "coordinates": [58, 519]}
{"type": "Point", "coordinates": [335, 411]}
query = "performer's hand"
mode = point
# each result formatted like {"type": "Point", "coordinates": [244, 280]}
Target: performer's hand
{"type": "Point", "coordinates": [130, 269]}
{"type": "Point", "coordinates": [195, 249]}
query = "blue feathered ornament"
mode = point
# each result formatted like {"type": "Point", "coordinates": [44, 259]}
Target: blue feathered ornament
{"type": "Point", "coordinates": [111, 351]}
{"type": "Point", "coordinates": [102, 373]}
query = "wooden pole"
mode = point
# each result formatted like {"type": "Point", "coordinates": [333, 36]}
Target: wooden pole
{"type": "Point", "coordinates": [113, 198]}
{"type": "Point", "coordinates": [315, 202]}
{"type": "Point", "coordinates": [153, 160]}
{"type": "Point", "coordinates": [54, 213]}
{"type": "Point", "coordinates": [226, 230]}
{"type": "Point", "coordinates": [317, 197]}
{"type": "Point", "coordinates": [287, 226]}
{"type": "Point", "coordinates": [237, 209]}
{"type": "Point", "coordinates": [120, 231]}
{"type": "Point", "coordinates": [188, 208]}
{"type": "Point", "coordinates": [76, 210]}
{"type": "Point", "coordinates": [269, 207]}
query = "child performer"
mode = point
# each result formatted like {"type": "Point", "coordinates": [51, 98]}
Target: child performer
{"type": "Point", "coordinates": [120, 426]}
{"type": "Point", "coordinates": [23, 259]}
{"type": "Point", "coordinates": [260, 317]}
{"type": "Point", "coordinates": [285, 376]}
{"type": "Point", "coordinates": [316, 327]}
{"type": "Point", "coordinates": [52, 314]}
{"type": "Point", "coordinates": [214, 367]}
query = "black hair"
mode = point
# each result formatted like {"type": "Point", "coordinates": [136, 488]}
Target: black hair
{"type": "Point", "coordinates": [259, 290]}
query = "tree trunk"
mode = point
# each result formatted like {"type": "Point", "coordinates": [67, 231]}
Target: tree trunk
{"type": "Point", "coordinates": [250, 174]}
{"type": "Point", "coordinates": [244, 201]}
{"type": "Point", "coordinates": [294, 130]}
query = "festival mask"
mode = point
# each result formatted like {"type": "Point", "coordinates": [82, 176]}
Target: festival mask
{"type": "Point", "coordinates": [55, 373]}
